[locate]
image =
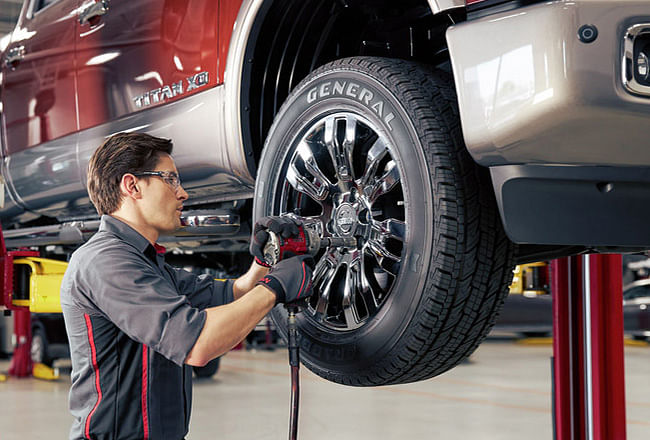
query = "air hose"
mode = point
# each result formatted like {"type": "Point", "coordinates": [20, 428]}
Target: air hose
{"type": "Point", "coordinates": [294, 362]}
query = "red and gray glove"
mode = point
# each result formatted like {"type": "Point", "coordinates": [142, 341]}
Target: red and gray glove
{"type": "Point", "coordinates": [290, 279]}
{"type": "Point", "coordinates": [283, 226]}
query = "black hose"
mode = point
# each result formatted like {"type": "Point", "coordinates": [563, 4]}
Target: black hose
{"type": "Point", "coordinates": [294, 361]}
{"type": "Point", "coordinates": [295, 401]}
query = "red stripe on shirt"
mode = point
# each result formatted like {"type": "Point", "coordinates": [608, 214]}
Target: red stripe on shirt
{"type": "Point", "coordinates": [145, 385]}
{"type": "Point", "coordinates": [93, 351]}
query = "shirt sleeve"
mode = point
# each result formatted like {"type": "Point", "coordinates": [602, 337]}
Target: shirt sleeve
{"type": "Point", "coordinates": [142, 303]}
{"type": "Point", "coordinates": [202, 291]}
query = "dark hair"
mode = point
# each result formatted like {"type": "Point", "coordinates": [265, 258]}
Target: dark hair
{"type": "Point", "coordinates": [120, 154]}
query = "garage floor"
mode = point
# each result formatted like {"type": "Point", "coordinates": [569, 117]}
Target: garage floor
{"type": "Point", "coordinates": [502, 393]}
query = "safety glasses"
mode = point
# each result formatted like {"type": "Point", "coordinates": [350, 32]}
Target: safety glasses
{"type": "Point", "coordinates": [170, 177]}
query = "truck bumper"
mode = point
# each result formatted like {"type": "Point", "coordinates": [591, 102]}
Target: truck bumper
{"type": "Point", "coordinates": [561, 120]}
{"type": "Point", "coordinates": [531, 91]}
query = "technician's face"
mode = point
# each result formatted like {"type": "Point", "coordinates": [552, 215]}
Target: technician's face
{"type": "Point", "coordinates": [164, 196]}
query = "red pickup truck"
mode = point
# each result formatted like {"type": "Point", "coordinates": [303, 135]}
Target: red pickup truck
{"type": "Point", "coordinates": [451, 138]}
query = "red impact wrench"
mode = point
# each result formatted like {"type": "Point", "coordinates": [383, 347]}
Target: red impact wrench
{"type": "Point", "coordinates": [310, 242]}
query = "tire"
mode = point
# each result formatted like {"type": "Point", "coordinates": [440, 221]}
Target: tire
{"type": "Point", "coordinates": [432, 264]}
{"type": "Point", "coordinates": [208, 370]}
{"type": "Point", "coordinates": [39, 348]}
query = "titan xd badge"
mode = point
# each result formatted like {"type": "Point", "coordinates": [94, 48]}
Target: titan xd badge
{"type": "Point", "coordinates": [172, 90]}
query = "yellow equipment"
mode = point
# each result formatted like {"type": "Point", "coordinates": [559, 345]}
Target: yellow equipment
{"type": "Point", "coordinates": [530, 279]}
{"type": "Point", "coordinates": [42, 371]}
{"type": "Point", "coordinates": [41, 277]}
{"type": "Point", "coordinates": [28, 284]}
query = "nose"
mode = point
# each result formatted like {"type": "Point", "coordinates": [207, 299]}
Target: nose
{"type": "Point", "coordinates": [181, 193]}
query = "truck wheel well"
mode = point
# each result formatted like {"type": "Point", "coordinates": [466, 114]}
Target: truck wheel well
{"type": "Point", "coordinates": [291, 39]}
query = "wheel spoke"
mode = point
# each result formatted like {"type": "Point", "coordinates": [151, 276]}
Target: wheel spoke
{"type": "Point", "coordinates": [341, 154]}
{"type": "Point", "coordinates": [390, 228]}
{"type": "Point", "coordinates": [302, 185]}
{"type": "Point", "coordinates": [346, 150]}
{"type": "Point", "coordinates": [369, 298]}
{"type": "Point", "coordinates": [380, 251]}
{"type": "Point", "coordinates": [391, 266]}
{"type": "Point", "coordinates": [306, 154]}
{"type": "Point", "coordinates": [385, 183]}
{"type": "Point", "coordinates": [323, 277]}
{"type": "Point", "coordinates": [350, 309]}
{"type": "Point", "coordinates": [376, 153]}
{"type": "Point", "coordinates": [376, 244]}
{"type": "Point", "coordinates": [313, 222]}
{"type": "Point", "coordinates": [365, 288]}
{"type": "Point", "coordinates": [317, 187]}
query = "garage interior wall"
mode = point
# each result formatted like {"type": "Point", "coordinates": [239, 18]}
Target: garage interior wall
{"type": "Point", "coordinates": [9, 10]}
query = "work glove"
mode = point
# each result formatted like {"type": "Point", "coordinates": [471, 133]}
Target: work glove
{"type": "Point", "coordinates": [283, 226]}
{"type": "Point", "coordinates": [290, 279]}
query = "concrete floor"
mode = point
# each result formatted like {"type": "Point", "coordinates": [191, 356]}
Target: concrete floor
{"type": "Point", "coordinates": [503, 393]}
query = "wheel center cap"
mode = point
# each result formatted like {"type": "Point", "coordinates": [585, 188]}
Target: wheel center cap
{"type": "Point", "coordinates": [345, 218]}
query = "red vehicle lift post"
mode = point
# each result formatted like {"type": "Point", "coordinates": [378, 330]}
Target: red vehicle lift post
{"type": "Point", "coordinates": [21, 361]}
{"type": "Point", "coordinates": [588, 365]}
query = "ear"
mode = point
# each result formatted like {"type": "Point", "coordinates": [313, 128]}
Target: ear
{"type": "Point", "coordinates": [130, 187]}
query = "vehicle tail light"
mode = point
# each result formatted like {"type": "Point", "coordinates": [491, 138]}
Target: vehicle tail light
{"type": "Point", "coordinates": [636, 56]}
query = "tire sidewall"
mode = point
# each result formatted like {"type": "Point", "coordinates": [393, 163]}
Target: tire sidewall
{"type": "Point", "coordinates": [38, 334]}
{"type": "Point", "coordinates": [311, 100]}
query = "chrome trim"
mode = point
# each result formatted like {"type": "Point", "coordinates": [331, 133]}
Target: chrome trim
{"type": "Point", "coordinates": [31, 5]}
{"type": "Point", "coordinates": [30, 9]}
{"type": "Point", "coordinates": [195, 223]}
{"type": "Point", "coordinates": [628, 59]}
{"type": "Point", "coordinates": [169, 91]}
{"type": "Point", "coordinates": [208, 222]}
{"type": "Point", "coordinates": [92, 10]}
{"type": "Point", "coordinates": [438, 6]}
{"type": "Point", "coordinates": [14, 55]}
{"type": "Point", "coordinates": [233, 76]}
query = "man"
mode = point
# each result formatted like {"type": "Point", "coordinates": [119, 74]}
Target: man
{"type": "Point", "coordinates": [135, 324]}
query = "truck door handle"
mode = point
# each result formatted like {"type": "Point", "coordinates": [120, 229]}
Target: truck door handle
{"type": "Point", "coordinates": [95, 10]}
{"type": "Point", "coordinates": [14, 56]}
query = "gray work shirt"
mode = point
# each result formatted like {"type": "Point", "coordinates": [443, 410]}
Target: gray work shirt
{"type": "Point", "coordinates": [131, 321]}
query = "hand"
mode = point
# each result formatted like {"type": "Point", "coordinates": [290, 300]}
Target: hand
{"type": "Point", "coordinates": [290, 279]}
{"type": "Point", "coordinates": [284, 226]}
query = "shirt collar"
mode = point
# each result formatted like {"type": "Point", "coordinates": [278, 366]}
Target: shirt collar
{"type": "Point", "coordinates": [125, 232]}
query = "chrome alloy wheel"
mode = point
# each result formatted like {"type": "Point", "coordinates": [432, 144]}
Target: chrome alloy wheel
{"type": "Point", "coordinates": [342, 178]}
